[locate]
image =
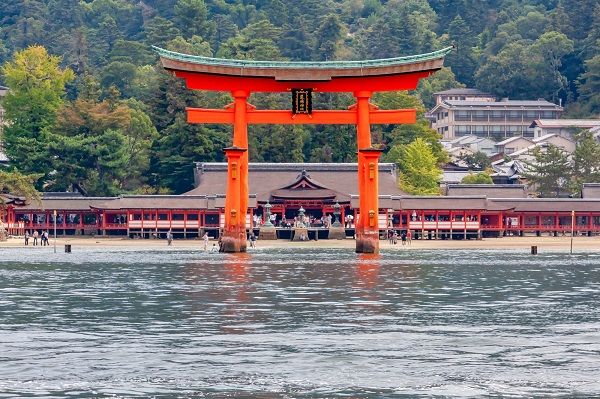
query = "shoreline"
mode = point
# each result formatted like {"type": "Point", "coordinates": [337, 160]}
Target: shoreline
{"type": "Point", "coordinates": [562, 243]}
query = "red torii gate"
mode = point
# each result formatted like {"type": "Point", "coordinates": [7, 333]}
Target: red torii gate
{"type": "Point", "coordinates": [241, 78]}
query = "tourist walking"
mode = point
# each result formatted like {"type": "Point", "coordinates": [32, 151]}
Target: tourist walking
{"type": "Point", "coordinates": [408, 237]}
{"type": "Point", "coordinates": [403, 238]}
{"type": "Point", "coordinates": [252, 240]}
{"type": "Point", "coordinates": [45, 236]}
{"type": "Point", "coordinates": [27, 238]}
{"type": "Point", "coordinates": [205, 239]}
{"type": "Point", "coordinates": [169, 238]}
{"type": "Point", "coordinates": [395, 237]}
{"type": "Point", "coordinates": [35, 237]}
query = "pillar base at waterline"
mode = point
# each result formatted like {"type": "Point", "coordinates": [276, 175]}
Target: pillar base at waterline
{"type": "Point", "coordinates": [367, 242]}
{"type": "Point", "coordinates": [234, 242]}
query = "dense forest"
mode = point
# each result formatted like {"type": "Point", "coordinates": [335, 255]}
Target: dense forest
{"type": "Point", "coordinates": [90, 109]}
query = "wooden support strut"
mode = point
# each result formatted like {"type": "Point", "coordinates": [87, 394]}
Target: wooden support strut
{"type": "Point", "coordinates": [284, 117]}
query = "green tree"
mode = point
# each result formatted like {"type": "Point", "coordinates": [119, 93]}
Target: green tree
{"type": "Point", "coordinates": [477, 178]}
{"type": "Point", "coordinates": [549, 171]}
{"type": "Point", "coordinates": [329, 38]}
{"type": "Point", "coordinates": [478, 160]}
{"type": "Point", "coordinates": [589, 85]}
{"type": "Point", "coordinates": [257, 41]}
{"type": "Point", "coordinates": [37, 90]}
{"type": "Point", "coordinates": [101, 148]}
{"type": "Point", "coordinates": [191, 17]}
{"type": "Point", "coordinates": [586, 161]}
{"type": "Point", "coordinates": [416, 21]}
{"type": "Point", "coordinates": [463, 59]}
{"type": "Point", "coordinates": [419, 173]}
{"type": "Point", "coordinates": [159, 31]}
{"type": "Point", "coordinates": [405, 134]}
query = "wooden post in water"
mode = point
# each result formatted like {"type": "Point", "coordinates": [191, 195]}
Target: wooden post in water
{"type": "Point", "coordinates": [572, 229]}
{"type": "Point", "coordinates": [55, 214]}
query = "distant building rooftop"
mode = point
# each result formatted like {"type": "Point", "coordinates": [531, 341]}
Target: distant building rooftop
{"type": "Point", "coordinates": [505, 103]}
{"type": "Point", "coordinates": [565, 123]}
{"type": "Point", "coordinates": [462, 91]}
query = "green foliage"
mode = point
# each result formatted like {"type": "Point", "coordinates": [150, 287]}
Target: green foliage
{"type": "Point", "coordinates": [477, 178]}
{"type": "Point", "coordinates": [549, 172]}
{"type": "Point", "coordinates": [37, 88]}
{"type": "Point", "coordinates": [589, 85]}
{"type": "Point", "coordinates": [100, 148]}
{"type": "Point", "coordinates": [478, 160]}
{"type": "Point", "coordinates": [519, 49]}
{"type": "Point", "coordinates": [526, 71]}
{"type": "Point", "coordinates": [419, 173]}
{"type": "Point", "coordinates": [586, 161]}
{"type": "Point", "coordinates": [18, 184]}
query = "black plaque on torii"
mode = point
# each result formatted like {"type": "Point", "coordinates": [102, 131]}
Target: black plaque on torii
{"type": "Point", "coordinates": [301, 101]}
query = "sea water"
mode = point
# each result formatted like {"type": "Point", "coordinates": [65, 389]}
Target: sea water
{"type": "Point", "coordinates": [124, 322]}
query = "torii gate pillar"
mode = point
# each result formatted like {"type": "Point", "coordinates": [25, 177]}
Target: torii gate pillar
{"type": "Point", "coordinates": [234, 233]}
{"type": "Point", "coordinates": [367, 225]}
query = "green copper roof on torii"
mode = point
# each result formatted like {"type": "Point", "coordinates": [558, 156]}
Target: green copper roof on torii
{"type": "Point", "coordinates": [199, 60]}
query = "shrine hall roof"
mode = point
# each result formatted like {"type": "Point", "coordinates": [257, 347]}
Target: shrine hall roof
{"type": "Point", "coordinates": [300, 70]}
{"type": "Point", "coordinates": [275, 179]}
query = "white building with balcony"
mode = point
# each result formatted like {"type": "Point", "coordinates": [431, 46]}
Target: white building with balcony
{"type": "Point", "coordinates": [497, 120]}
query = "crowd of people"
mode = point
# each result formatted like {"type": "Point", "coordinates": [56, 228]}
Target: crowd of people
{"type": "Point", "coordinates": [35, 236]}
{"type": "Point", "coordinates": [307, 220]}
{"type": "Point", "coordinates": [405, 237]}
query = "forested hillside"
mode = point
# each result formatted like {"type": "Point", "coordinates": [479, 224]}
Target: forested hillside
{"type": "Point", "coordinates": [114, 121]}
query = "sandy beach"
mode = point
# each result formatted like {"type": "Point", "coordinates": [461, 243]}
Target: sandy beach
{"type": "Point", "coordinates": [525, 243]}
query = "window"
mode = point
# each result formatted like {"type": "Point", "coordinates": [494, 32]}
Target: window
{"type": "Point", "coordinates": [548, 115]}
{"type": "Point", "coordinates": [177, 216]}
{"type": "Point", "coordinates": [192, 216]}
{"type": "Point", "coordinates": [163, 216]}
{"type": "Point", "coordinates": [462, 116]}
{"type": "Point", "coordinates": [497, 115]}
{"type": "Point", "coordinates": [211, 219]}
{"type": "Point", "coordinates": [462, 129]}
{"type": "Point", "coordinates": [531, 115]}
{"type": "Point", "coordinates": [515, 115]}
{"type": "Point", "coordinates": [149, 216]}
{"type": "Point", "coordinates": [479, 130]}
{"type": "Point", "coordinates": [480, 115]}
{"type": "Point", "coordinates": [513, 130]}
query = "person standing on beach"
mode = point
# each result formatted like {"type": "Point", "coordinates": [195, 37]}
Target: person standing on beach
{"type": "Point", "coordinates": [169, 238]}
{"type": "Point", "coordinates": [27, 238]}
{"type": "Point", "coordinates": [205, 239]}
{"type": "Point", "coordinates": [408, 236]}
{"type": "Point", "coordinates": [35, 237]}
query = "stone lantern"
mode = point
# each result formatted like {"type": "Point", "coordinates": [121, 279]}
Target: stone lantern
{"type": "Point", "coordinates": [267, 222]}
{"type": "Point", "coordinates": [301, 217]}
{"type": "Point", "coordinates": [336, 215]}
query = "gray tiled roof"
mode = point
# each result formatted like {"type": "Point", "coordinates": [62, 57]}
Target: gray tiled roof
{"type": "Point", "coordinates": [263, 178]}
{"type": "Point", "coordinates": [501, 104]}
{"type": "Point", "coordinates": [463, 91]}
